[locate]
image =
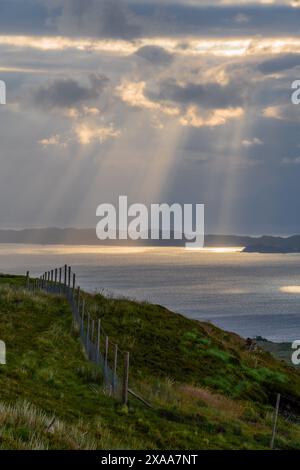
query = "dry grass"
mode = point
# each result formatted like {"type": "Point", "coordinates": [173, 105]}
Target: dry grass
{"type": "Point", "coordinates": [23, 426]}
{"type": "Point", "coordinates": [219, 402]}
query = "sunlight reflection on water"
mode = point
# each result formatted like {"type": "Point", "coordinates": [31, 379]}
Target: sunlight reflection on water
{"type": "Point", "coordinates": [251, 294]}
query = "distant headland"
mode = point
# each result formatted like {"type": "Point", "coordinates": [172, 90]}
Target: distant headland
{"type": "Point", "coordinates": [87, 236]}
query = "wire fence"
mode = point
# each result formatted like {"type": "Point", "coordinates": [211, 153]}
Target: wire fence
{"type": "Point", "coordinates": [287, 408]}
{"type": "Point", "coordinates": [99, 349]}
{"type": "Point", "coordinates": [113, 362]}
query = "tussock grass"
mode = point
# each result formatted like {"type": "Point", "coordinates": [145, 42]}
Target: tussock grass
{"type": "Point", "coordinates": [24, 427]}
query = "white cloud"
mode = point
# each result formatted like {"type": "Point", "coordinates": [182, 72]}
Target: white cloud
{"type": "Point", "coordinates": [133, 93]}
{"type": "Point", "coordinates": [87, 133]}
{"type": "Point", "coordinates": [53, 141]}
{"type": "Point", "coordinates": [214, 118]}
{"type": "Point", "coordinates": [272, 112]}
{"type": "Point", "coordinates": [252, 142]}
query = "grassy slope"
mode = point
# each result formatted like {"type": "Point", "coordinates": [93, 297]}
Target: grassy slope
{"type": "Point", "coordinates": [207, 390]}
{"type": "Point", "coordinates": [282, 351]}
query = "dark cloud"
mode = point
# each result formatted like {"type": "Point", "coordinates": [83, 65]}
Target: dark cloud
{"type": "Point", "coordinates": [221, 20]}
{"type": "Point", "coordinates": [279, 64]}
{"type": "Point", "coordinates": [129, 19]}
{"type": "Point", "coordinates": [208, 95]}
{"type": "Point", "coordinates": [155, 54]}
{"type": "Point", "coordinates": [24, 17]}
{"type": "Point", "coordinates": [66, 93]}
{"type": "Point", "coordinates": [101, 18]}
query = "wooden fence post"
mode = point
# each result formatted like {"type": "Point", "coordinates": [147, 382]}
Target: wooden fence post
{"type": "Point", "coordinates": [106, 359]}
{"type": "Point", "coordinates": [275, 421]}
{"type": "Point", "coordinates": [115, 369]}
{"type": "Point", "coordinates": [59, 280]}
{"type": "Point", "coordinates": [69, 281]}
{"type": "Point", "coordinates": [98, 339]}
{"type": "Point", "coordinates": [93, 329]}
{"type": "Point", "coordinates": [27, 280]}
{"type": "Point", "coordinates": [73, 286]}
{"type": "Point", "coordinates": [82, 316]}
{"type": "Point", "coordinates": [126, 379]}
{"type": "Point", "coordinates": [92, 341]}
{"type": "Point", "coordinates": [65, 278]}
{"type": "Point", "coordinates": [88, 336]}
{"type": "Point", "coordinates": [55, 279]}
{"type": "Point", "coordinates": [78, 297]}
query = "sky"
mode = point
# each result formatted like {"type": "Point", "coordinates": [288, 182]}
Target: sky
{"type": "Point", "coordinates": [174, 101]}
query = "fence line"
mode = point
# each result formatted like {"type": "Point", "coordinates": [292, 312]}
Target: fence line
{"type": "Point", "coordinates": [105, 354]}
{"type": "Point", "coordinates": [99, 349]}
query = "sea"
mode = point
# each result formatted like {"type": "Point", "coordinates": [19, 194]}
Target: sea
{"type": "Point", "coordinates": [250, 294]}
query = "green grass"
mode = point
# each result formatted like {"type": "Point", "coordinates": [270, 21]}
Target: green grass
{"type": "Point", "coordinates": [207, 390]}
{"type": "Point", "coordinates": [163, 343]}
{"type": "Point", "coordinates": [282, 351]}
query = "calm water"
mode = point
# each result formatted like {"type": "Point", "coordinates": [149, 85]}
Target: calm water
{"type": "Point", "coordinates": [251, 294]}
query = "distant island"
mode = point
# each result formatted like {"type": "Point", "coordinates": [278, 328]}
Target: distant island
{"type": "Point", "coordinates": [87, 236]}
{"type": "Point", "coordinates": [268, 244]}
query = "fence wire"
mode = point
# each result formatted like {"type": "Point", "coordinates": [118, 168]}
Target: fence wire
{"type": "Point", "coordinates": [105, 354]}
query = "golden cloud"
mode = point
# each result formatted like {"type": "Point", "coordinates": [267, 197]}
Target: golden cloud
{"type": "Point", "coordinates": [87, 133]}
{"type": "Point", "coordinates": [214, 118]}
{"type": "Point", "coordinates": [223, 47]}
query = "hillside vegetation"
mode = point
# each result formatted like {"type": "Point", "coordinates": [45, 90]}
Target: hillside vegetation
{"type": "Point", "coordinates": [207, 390]}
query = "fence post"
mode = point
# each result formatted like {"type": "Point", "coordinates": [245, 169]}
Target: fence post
{"type": "Point", "coordinates": [65, 278]}
{"type": "Point", "coordinates": [115, 369]}
{"type": "Point", "coordinates": [59, 281]}
{"type": "Point", "coordinates": [73, 287]}
{"type": "Point", "coordinates": [78, 297]}
{"type": "Point", "coordinates": [88, 337]}
{"type": "Point", "coordinates": [55, 279]}
{"type": "Point", "coordinates": [106, 358]}
{"type": "Point", "coordinates": [92, 340]}
{"type": "Point", "coordinates": [275, 421]}
{"type": "Point", "coordinates": [82, 315]}
{"type": "Point", "coordinates": [126, 379]}
{"type": "Point", "coordinates": [77, 306]}
{"type": "Point", "coordinates": [27, 280]}
{"type": "Point", "coordinates": [69, 281]}
{"type": "Point", "coordinates": [93, 329]}
{"type": "Point", "coordinates": [98, 340]}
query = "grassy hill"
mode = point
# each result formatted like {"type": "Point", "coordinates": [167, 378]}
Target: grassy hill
{"type": "Point", "coordinates": [207, 390]}
{"type": "Point", "coordinates": [280, 350]}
